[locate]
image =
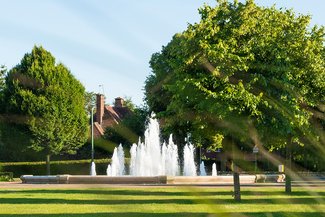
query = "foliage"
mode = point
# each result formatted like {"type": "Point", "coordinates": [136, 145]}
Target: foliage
{"type": "Point", "coordinates": [90, 101]}
{"type": "Point", "coordinates": [3, 72]}
{"type": "Point", "coordinates": [15, 141]}
{"type": "Point", "coordinates": [6, 176]}
{"type": "Point", "coordinates": [104, 160]}
{"type": "Point", "coordinates": [72, 167]}
{"type": "Point", "coordinates": [129, 129]}
{"type": "Point", "coordinates": [50, 100]}
{"type": "Point", "coordinates": [253, 73]}
{"type": "Point", "coordinates": [128, 103]}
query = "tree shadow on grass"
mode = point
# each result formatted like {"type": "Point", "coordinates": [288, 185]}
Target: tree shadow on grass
{"type": "Point", "coordinates": [117, 201]}
{"type": "Point", "coordinates": [140, 192]}
{"type": "Point", "coordinates": [178, 214]}
{"type": "Point", "coordinates": [144, 191]}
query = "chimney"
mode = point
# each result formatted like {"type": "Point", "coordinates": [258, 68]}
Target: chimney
{"type": "Point", "coordinates": [100, 103]}
{"type": "Point", "coordinates": [119, 102]}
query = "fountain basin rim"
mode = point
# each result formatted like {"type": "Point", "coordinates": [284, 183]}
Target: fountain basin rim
{"type": "Point", "coordinates": [103, 179]}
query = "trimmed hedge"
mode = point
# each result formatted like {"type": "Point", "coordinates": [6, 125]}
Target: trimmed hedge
{"type": "Point", "coordinates": [6, 176]}
{"type": "Point", "coordinates": [55, 162]}
{"type": "Point", "coordinates": [72, 167]}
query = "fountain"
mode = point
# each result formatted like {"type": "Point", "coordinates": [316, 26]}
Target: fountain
{"type": "Point", "coordinates": [117, 168]}
{"type": "Point", "coordinates": [171, 164]}
{"type": "Point", "coordinates": [189, 164]}
{"type": "Point", "coordinates": [214, 169]}
{"type": "Point", "coordinates": [151, 163]}
{"type": "Point", "coordinates": [109, 170]}
{"type": "Point", "coordinates": [202, 169]}
{"type": "Point", "coordinates": [152, 159]}
{"type": "Point", "coordinates": [93, 169]}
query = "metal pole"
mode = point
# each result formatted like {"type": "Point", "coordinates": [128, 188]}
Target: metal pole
{"type": "Point", "coordinates": [255, 152]}
{"type": "Point", "coordinates": [200, 155]}
{"type": "Point", "coordinates": [92, 134]}
{"type": "Point", "coordinates": [255, 162]}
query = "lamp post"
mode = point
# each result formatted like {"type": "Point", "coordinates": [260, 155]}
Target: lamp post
{"type": "Point", "coordinates": [255, 151]}
{"type": "Point", "coordinates": [92, 134]}
{"type": "Point", "coordinates": [92, 167]}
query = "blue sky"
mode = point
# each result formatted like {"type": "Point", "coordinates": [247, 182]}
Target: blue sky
{"type": "Point", "coordinates": [105, 42]}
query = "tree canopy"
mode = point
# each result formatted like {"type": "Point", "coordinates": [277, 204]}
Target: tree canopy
{"type": "Point", "coordinates": [251, 72]}
{"type": "Point", "coordinates": [49, 101]}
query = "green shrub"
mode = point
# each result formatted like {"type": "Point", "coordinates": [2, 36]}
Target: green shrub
{"type": "Point", "coordinates": [72, 167]}
{"type": "Point", "coordinates": [6, 177]}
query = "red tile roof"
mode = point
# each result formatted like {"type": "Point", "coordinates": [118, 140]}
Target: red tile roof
{"type": "Point", "coordinates": [112, 115]}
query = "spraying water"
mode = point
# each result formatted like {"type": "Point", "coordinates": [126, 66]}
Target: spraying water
{"type": "Point", "coordinates": [214, 169]}
{"type": "Point", "coordinates": [93, 169]}
{"type": "Point", "coordinates": [133, 153]}
{"type": "Point", "coordinates": [117, 168]}
{"type": "Point", "coordinates": [170, 153]}
{"type": "Point", "coordinates": [109, 170]}
{"type": "Point", "coordinates": [202, 169]}
{"type": "Point", "coordinates": [121, 165]}
{"type": "Point", "coordinates": [150, 158]}
{"type": "Point", "coordinates": [189, 164]}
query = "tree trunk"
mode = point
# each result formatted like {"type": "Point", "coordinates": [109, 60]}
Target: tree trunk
{"type": "Point", "coordinates": [48, 164]}
{"type": "Point", "coordinates": [305, 158]}
{"type": "Point", "coordinates": [287, 168]}
{"type": "Point", "coordinates": [237, 195]}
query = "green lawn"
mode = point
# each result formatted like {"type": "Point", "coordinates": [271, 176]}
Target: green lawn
{"type": "Point", "coordinates": [161, 201]}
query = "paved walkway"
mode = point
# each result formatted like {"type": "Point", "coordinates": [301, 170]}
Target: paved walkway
{"type": "Point", "coordinates": [19, 185]}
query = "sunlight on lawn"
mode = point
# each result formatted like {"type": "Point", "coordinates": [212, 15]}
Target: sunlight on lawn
{"type": "Point", "coordinates": [162, 201]}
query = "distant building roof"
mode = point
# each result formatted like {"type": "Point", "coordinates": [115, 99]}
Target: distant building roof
{"type": "Point", "coordinates": [108, 115]}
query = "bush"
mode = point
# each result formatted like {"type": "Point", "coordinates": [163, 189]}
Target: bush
{"type": "Point", "coordinates": [72, 167]}
{"type": "Point", "coordinates": [6, 176]}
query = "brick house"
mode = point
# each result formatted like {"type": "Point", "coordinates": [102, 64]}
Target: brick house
{"type": "Point", "coordinates": [108, 115]}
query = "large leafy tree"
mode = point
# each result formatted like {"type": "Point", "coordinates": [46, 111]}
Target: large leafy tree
{"type": "Point", "coordinates": [251, 74]}
{"type": "Point", "coordinates": [50, 101]}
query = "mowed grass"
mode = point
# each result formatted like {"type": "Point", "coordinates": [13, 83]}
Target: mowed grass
{"type": "Point", "coordinates": [161, 201]}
